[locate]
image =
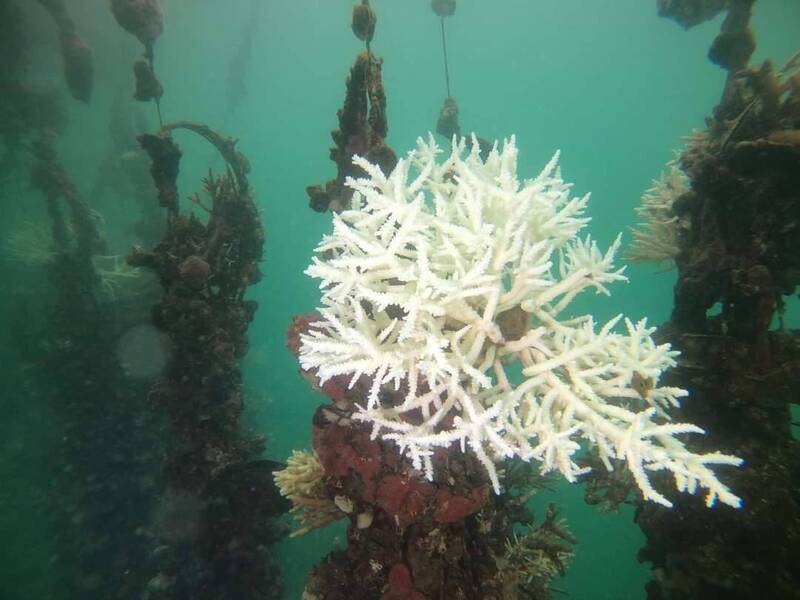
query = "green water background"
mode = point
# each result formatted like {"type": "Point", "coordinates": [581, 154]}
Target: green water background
{"type": "Point", "coordinates": [607, 82]}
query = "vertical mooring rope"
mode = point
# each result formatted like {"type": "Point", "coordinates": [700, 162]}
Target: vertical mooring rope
{"type": "Point", "coordinates": [444, 52]}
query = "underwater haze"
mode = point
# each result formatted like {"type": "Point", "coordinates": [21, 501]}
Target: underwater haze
{"type": "Point", "coordinates": [150, 389]}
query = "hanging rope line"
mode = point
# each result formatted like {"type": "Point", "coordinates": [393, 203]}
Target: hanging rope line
{"type": "Point", "coordinates": [447, 122]}
{"type": "Point", "coordinates": [157, 99]}
{"type": "Point", "coordinates": [363, 25]}
{"type": "Point", "coordinates": [444, 52]}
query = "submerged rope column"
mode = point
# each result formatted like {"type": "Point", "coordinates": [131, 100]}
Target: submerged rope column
{"type": "Point", "coordinates": [363, 125]}
{"type": "Point", "coordinates": [145, 21]}
{"type": "Point", "coordinates": [447, 123]}
{"type": "Point", "coordinates": [363, 25]}
{"type": "Point", "coordinates": [364, 21]}
{"type": "Point", "coordinates": [741, 214]}
{"type": "Point", "coordinates": [444, 54]}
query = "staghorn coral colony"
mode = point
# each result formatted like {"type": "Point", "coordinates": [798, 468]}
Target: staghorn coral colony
{"type": "Point", "coordinates": [443, 273]}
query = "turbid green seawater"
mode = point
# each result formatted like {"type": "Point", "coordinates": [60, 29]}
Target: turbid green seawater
{"type": "Point", "coordinates": [611, 85]}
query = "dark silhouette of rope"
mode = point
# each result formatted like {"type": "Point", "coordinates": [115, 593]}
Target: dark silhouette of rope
{"type": "Point", "coordinates": [444, 52]}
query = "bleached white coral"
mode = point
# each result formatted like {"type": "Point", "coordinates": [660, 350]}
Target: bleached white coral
{"type": "Point", "coordinates": [442, 274]}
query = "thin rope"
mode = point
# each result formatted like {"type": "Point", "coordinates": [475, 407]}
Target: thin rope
{"type": "Point", "coordinates": [369, 55]}
{"type": "Point", "coordinates": [158, 112]}
{"type": "Point", "coordinates": [150, 56]}
{"type": "Point", "coordinates": [444, 52]}
{"type": "Point", "coordinates": [367, 70]}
